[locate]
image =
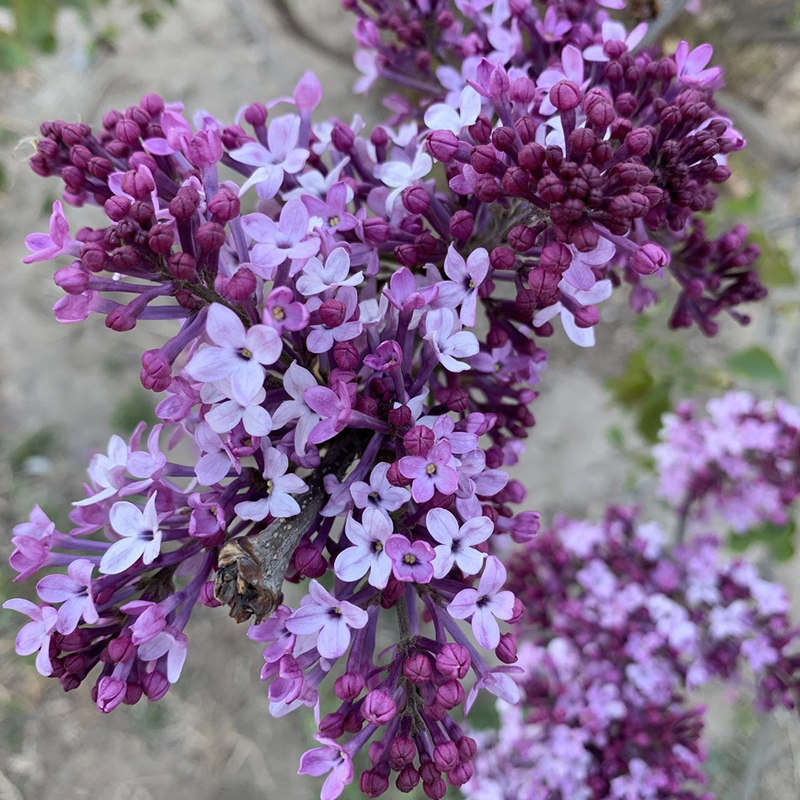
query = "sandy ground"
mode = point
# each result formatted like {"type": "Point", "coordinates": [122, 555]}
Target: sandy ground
{"type": "Point", "coordinates": [61, 388]}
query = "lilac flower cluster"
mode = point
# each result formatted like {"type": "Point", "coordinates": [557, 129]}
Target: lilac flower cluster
{"type": "Point", "coordinates": [317, 386]}
{"type": "Point", "coordinates": [591, 159]}
{"type": "Point", "coordinates": [346, 426]}
{"type": "Point", "coordinates": [619, 627]}
{"type": "Point", "coordinates": [740, 461]}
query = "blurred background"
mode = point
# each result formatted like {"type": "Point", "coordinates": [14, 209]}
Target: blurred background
{"type": "Point", "coordinates": [64, 389]}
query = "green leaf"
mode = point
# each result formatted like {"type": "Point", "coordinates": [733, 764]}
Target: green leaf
{"type": "Point", "coordinates": [779, 539]}
{"type": "Point", "coordinates": [654, 406]}
{"type": "Point", "coordinates": [757, 364]}
{"type": "Point", "coordinates": [634, 383]}
{"type": "Point", "coordinates": [774, 266]}
{"type": "Point", "coordinates": [35, 22]}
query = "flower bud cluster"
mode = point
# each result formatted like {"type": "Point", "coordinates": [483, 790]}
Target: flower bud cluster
{"type": "Point", "coordinates": [598, 156]}
{"type": "Point", "coordinates": [619, 628]}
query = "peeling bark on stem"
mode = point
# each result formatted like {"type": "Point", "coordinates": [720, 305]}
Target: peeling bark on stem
{"type": "Point", "coordinates": [252, 569]}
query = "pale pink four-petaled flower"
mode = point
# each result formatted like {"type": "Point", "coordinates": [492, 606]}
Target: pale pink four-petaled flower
{"type": "Point", "coordinates": [411, 561]}
{"type": "Point", "coordinates": [74, 592]}
{"type": "Point", "coordinates": [486, 604]}
{"type": "Point", "coordinates": [321, 613]}
{"type": "Point", "coordinates": [277, 500]}
{"type": "Point", "coordinates": [367, 552]}
{"type": "Point", "coordinates": [442, 331]}
{"type": "Point", "coordinates": [238, 353]}
{"type": "Point", "coordinates": [141, 536]}
{"type": "Point", "coordinates": [456, 544]}
{"type": "Point", "coordinates": [466, 278]}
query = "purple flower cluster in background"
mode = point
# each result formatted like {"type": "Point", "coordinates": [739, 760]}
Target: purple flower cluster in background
{"type": "Point", "coordinates": [353, 360]}
{"type": "Point", "coordinates": [740, 462]}
{"type": "Point", "coordinates": [619, 628]}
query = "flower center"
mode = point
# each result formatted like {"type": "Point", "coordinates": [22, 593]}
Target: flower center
{"type": "Point", "coordinates": [270, 487]}
{"type": "Point", "coordinates": [245, 354]}
{"type": "Point", "coordinates": [377, 547]}
{"type": "Point", "coordinates": [431, 469]}
{"type": "Point", "coordinates": [333, 221]}
{"type": "Point", "coordinates": [278, 313]}
{"type": "Point", "coordinates": [410, 559]}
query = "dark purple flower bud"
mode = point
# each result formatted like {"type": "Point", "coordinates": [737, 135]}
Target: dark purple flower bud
{"type": "Point", "coordinates": [121, 649]}
{"type": "Point", "coordinates": [487, 189]}
{"type": "Point", "coordinates": [428, 771]}
{"type": "Point", "coordinates": [156, 373]}
{"type": "Point", "coordinates": [309, 561]}
{"type": "Point", "coordinates": [443, 145]}
{"type": "Point", "coordinates": [460, 774]}
{"type": "Point", "coordinates": [372, 783]}
{"type": "Point", "coordinates": [121, 319]}
{"type": "Point", "coordinates": [584, 236]}
{"type": "Point", "coordinates": [407, 255]}
{"type": "Point", "coordinates": [342, 137]}
{"type": "Point", "coordinates": [376, 231]}
{"type": "Point", "coordinates": [182, 266]}
{"type": "Point", "coordinates": [467, 747]}
{"type": "Point", "coordinates": [345, 354]}
{"type": "Point", "coordinates": [73, 178]}
{"type": "Point", "coordinates": [418, 668]}
{"type": "Point", "coordinates": [332, 313]}
{"type": "Point", "coordinates": [395, 477]}
{"type": "Point", "coordinates": [522, 238]}
{"type": "Point", "coordinates": [234, 136]}
{"type": "Point", "coordinates": [332, 725]}
{"type": "Point", "coordinates": [456, 399]}
{"type": "Point", "coordinates": [72, 133]}
{"type": "Point", "coordinates": [155, 685]}
{"type": "Point", "coordinates": [649, 258]}
{"type": "Point", "coordinates": [402, 751]}
{"type": "Point", "coordinates": [40, 165]}
{"type": "Point", "coordinates": [142, 212]}
{"type": "Point", "coordinates": [526, 526]}
{"type": "Point", "coordinates": [185, 203]}
{"type": "Point", "coordinates": [518, 612]}
{"type": "Point", "coordinates": [565, 95]}
{"type": "Point", "coordinates": [400, 417]}
{"type": "Point", "coordinates": [127, 131]}
{"type": "Point", "coordinates": [504, 139]}
{"type": "Point", "coordinates": [419, 440]}
{"type": "Point", "coordinates": [160, 238]}
{"type": "Point", "coordinates": [445, 756]}
{"type": "Point", "coordinates": [239, 287]}
{"type": "Point", "coordinates": [506, 650]}
{"type": "Point", "coordinates": [72, 279]}
{"type": "Point", "coordinates": [531, 156]}
{"type": "Point", "coordinates": [515, 182]}
{"type": "Point", "coordinates": [522, 90]}
{"type": "Point", "coordinates": [581, 141]}
{"type": "Point", "coordinates": [450, 694]}
{"type": "Point", "coordinates": [416, 200]}
{"type": "Point", "coordinates": [481, 130]}
{"type": "Point", "coordinates": [599, 108]}
{"type": "Point", "coordinates": [256, 114]}
{"type": "Point", "coordinates": [137, 184]}
{"type": "Point", "coordinates": [349, 686]}
{"type": "Point", "coordinates": [378, 707]}
{"type": "Point", "coordinates": [153, 104]}
{"type": "Point", "coordinates": [224, 205]}
{"type": "Point", "coordinates": [353, 722]}
{"type": "Point", "coordinates": [483, 159]}
{"type": "Point", "coordinates": [550, 188]}
{"type": "Point", "coordinates": [435, 790]}
{"type": "Point", "coordinates": [117, 207]}
{"type": "Point", "coordinates": [555, 257]}
{"type": "Point", "coordinates": [639, 141]}
{"type": "Point", "coordinates": [407, 780]}
{"type": "Point", "coordinates": [453, 660]}
{"type": "Point", "coordinates": [526, 128]}
{"type": "Point", "coordinates": [461, 225]}
{"type": "Point", "coordinates": [80, 156]}
{"type": "Point", "coordinates": [210, 236]}
{"type": "Point", "coordinates": [502, 258]}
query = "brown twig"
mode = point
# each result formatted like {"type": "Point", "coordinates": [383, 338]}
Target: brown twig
{"type": "Point", "coordinates": [252, 569]}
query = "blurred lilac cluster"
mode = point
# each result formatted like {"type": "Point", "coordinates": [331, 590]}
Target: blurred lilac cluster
{"type": "Point", "coordinates": [738, 462]}
{"type": "Point", "coordinates": [619, 628]}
